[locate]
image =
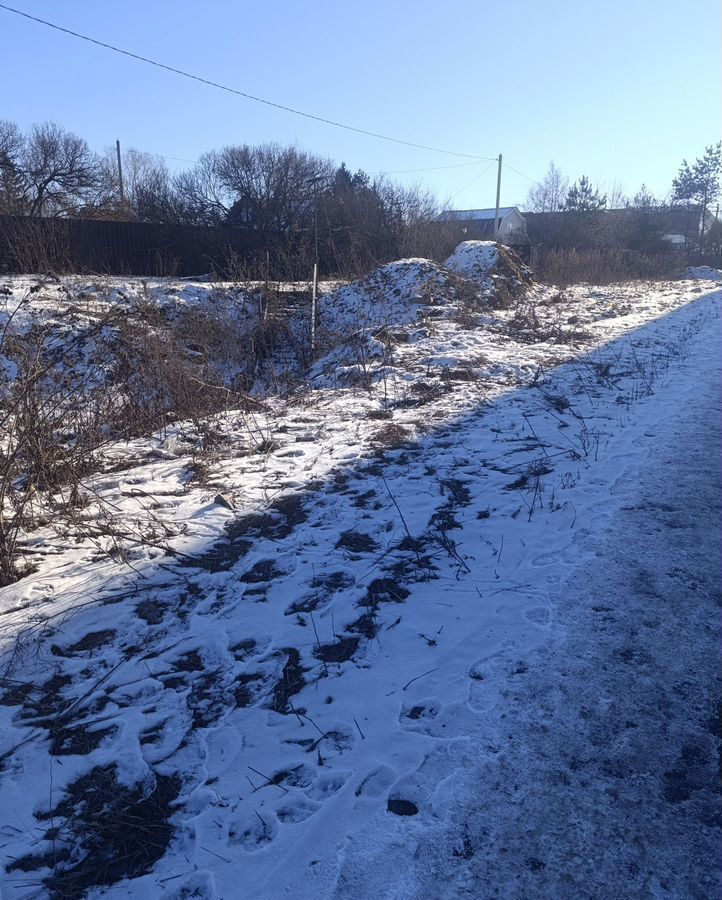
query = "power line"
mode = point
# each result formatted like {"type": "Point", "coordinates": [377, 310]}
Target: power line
{"type": "Point", "coordinates": [159, 155]}
{"type": "Point", "coordinates": [432, 169]}
{"type": "Point", "coordinates": [230, 90]}
{"type": "Point", "coordinates": [528, 177]}
{"type": "Point", "coordinates": [473, 180]}
{"type": "Point", "coordinates": [381, 172]}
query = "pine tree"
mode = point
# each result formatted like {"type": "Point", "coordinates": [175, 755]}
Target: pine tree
{"type": "Point", "coordinates": [700, 182]}
{"type": "Point", "coordinates": [684, 187]}
{"type": "Point", "coordinates": [342, 180]}
{"type": "Point", "coordinates": [582, 198]}
{"type": "Point", "coordinates": [643, 199]}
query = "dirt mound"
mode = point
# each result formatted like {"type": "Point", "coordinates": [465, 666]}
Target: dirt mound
{"type": "Point", "coordinates": [390, 295]}
{"type": "Point", "coordinates": [497, 269]}
{"type": "Point", "coordinates": [478, 275]}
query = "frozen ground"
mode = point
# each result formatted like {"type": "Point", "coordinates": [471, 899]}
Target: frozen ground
{"type": "Point", "coordinates": [458, 639]}
{"type": "Point", "coordinates": [593, 768]}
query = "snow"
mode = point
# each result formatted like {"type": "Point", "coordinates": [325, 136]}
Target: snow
{"type": "Point", "coordinates": [391, 295]}
{"type": "Point", "coordinates": [704, 273]}
{"type": "Point", "coordinates": [473, 258]}
{"type": "Point", "coordinates": [420, 582]}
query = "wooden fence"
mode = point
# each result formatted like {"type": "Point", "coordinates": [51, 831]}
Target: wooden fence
{"type": "Point", "coordinates": [119, 248]}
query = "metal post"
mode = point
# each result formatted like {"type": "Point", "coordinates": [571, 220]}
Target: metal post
{"type": "Point", "coordinates": [315, 227]}
{"type": "Point", "coordinates": [314, 293]}
{"type": "Point", "coordinates": [120, 173]}
{"type": "Point", "coordinates": [498, 195]}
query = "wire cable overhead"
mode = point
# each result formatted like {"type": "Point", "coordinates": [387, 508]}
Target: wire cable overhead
{"type": "Point", "coordinates": [239, 93]}
{"type": "Point", "coordinates": [473, 181]}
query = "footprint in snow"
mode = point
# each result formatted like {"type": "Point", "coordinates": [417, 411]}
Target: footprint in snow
{"type": "Point", "coordinates": [487, 680]}
{"type": "Point", "coordinates": [376, 782]}
{"type": "Point", "coordinates": [415, 790]}
{"type": "Point", "coordinates": [430, 718]}
{"type": "Point", "coordinates": [297, 809]}
{"type": "Point", "coordinates": [305, 789]}
{"type": "Point", "coordinates": [254, 832]}
{"type": "Point", "coordinates": [537, 615]}
{"type": "Point", "coordinates": [200, 886]}
{"type": "Point", "coordinates": [326, 784]}
{"type": "Point", "coordinates": [548, 559]}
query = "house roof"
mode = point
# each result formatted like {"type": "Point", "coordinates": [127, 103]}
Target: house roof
{"type": "Point", "coordinates": [470, 215]}
{"type": "Point", "coordinates": [680, 218]}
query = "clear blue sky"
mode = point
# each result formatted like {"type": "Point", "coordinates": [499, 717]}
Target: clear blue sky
{"type": "Point", "coordinates": [615, 89]}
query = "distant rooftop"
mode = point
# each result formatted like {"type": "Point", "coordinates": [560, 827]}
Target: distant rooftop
{"type": "Point", "coordinates": [468, 215]}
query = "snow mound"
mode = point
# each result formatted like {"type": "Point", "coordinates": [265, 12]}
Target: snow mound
{"type": "Point", "coordinates": [703, 273]}
{"type": "Point", "coordinates": [390, 295]}
{"type": "Point", "coordinates": [496, 269]}
{"type": "Point", "coordinates": [478, 273]}
{"type": "Point", "coordinates": [473, 258]}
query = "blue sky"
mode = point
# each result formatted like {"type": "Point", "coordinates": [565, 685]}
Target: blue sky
{"type": "Point", "coordinates": [615, 89]}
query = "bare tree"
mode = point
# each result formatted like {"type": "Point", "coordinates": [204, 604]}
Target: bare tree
{"type": "Point", "coordinates": [200, 195]}
{"type": "Point", "coordinates": [274, 188]}
{"type": "Point", "coordinates": [550, 193]}
{"type": "Point", "coordinates": [12, 187]}
{"type": "Point", "coordinates": [293, 207]}
{"type": "Point", "coordinates": [61, 173]}
{"type": "Point", "coordinates": [616, 195]}
{"type": "Point", "coordinates": [150, 194]}
{"type": "Point", "coordinates": [420, 231]}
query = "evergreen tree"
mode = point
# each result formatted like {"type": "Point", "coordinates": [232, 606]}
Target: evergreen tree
{"type": "Point", "coordinates": [642, 226]}
{"type": "Point", "coordinates": [346, 183]}
{"type": "Point", "coordinates": [342, 180]}
{"type": "Point", "coordinates": [582, 198]}
{"type": "Point", "coordinates": [700, 182]}
{"type": "Point", "coordinates": [643, 199]}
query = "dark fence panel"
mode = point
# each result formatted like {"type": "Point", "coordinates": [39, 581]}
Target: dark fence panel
{"type": "Point", "coordinates": [119, 248]}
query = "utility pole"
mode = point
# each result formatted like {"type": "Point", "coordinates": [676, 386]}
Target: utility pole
{"type": "Point", "coordinates": [120, 174]}
{"type": "Point", "coordinates": [498, 195]}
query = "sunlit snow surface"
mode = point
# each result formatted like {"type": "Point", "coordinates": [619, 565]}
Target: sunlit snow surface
{"type": "Point", "coordinates": [394, 560]}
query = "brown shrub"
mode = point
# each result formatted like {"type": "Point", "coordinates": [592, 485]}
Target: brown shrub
{"type": "Point", "coordinates": [570, 266]}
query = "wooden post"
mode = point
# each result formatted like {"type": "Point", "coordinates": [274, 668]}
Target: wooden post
{"type": "Point", "coordinates": [120, 174]}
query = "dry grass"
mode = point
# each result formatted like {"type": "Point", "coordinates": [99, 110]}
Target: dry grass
{"type": "Point", "coordinates": [393, 436]}
{"type": "Point", "coordinates": [568, 266]}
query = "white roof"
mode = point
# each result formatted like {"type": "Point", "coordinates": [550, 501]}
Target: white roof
{"type": "Point", "coordinates": [466, 215]}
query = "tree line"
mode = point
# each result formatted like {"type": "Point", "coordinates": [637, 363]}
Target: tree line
{"type": "Point", "coordinates": [300, 207]}
{"type": "Point", "coordinates": [294, 202]}
{"type": "Point", "coordinates": [638, 222]}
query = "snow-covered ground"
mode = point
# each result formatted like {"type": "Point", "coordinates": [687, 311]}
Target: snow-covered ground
{"type": "Point", "coordinates": [332, 697]}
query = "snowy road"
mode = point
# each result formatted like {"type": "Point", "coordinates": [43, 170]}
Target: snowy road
{"type": "Point", "coordinates": [603, 779]}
